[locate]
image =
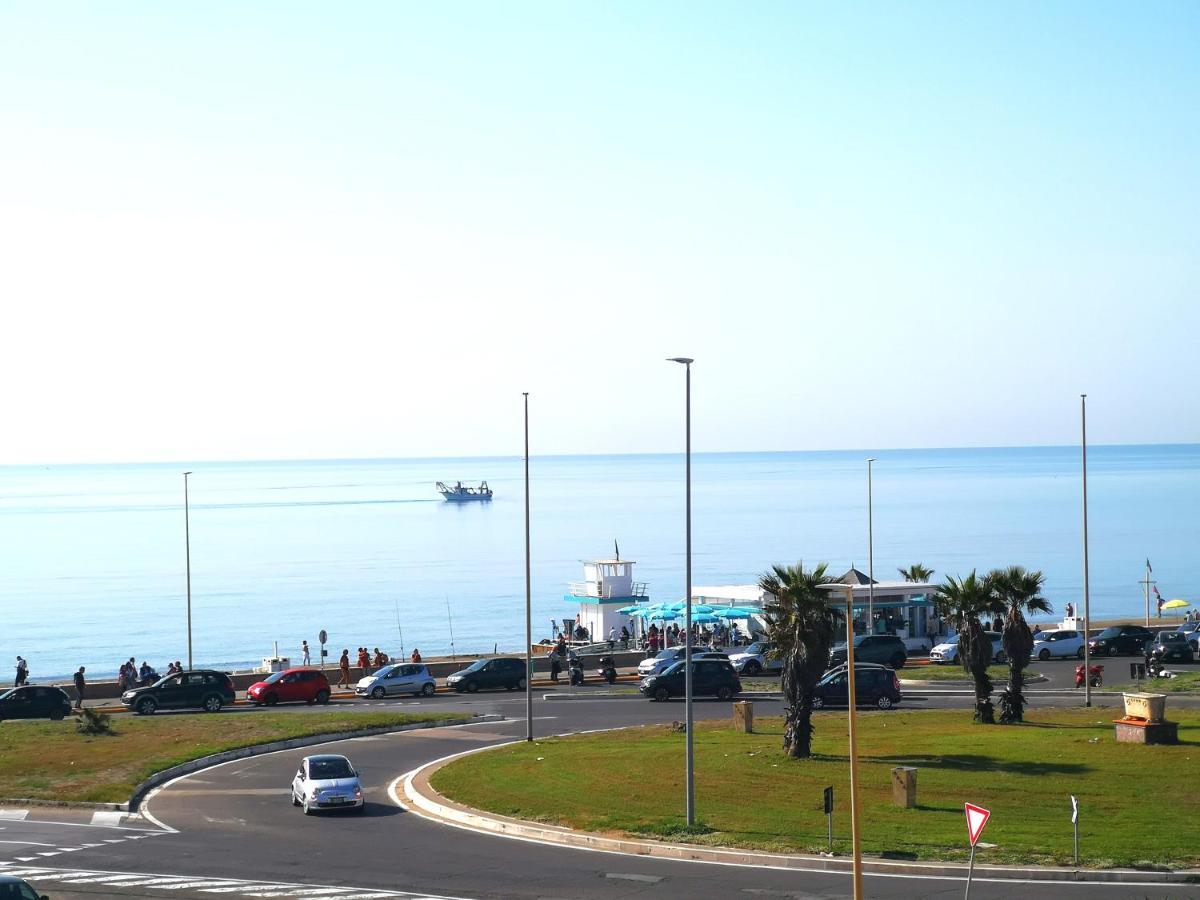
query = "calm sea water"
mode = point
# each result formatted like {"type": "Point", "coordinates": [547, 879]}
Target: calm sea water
{"type": "Point", "coordinates": [92, 557]}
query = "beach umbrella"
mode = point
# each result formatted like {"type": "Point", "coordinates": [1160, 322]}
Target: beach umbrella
{"type": "Point", "coordinates": [734, 612]}
{"type": "Point", "coordinates": [630, 610]}
{"type": "Point", "coordinates": [696, 607]}
{"type": "Point", "coordinates": [705, 618]}
{"type": "Point", "coordinates": [1175, 604]}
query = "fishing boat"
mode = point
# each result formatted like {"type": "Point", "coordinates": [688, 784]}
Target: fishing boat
{"type": "Point", "coordinates": [461, 493]}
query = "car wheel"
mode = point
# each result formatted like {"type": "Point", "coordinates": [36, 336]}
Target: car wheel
{"type": "Point", "coordinates": [1044, 655]}
{"type": "Point", "coordinates": [295, 801]}
{"type": "Point", "coordinates": [753, 668]}
{"type": "Point", "coordinates": [271, 699]}
{"type": "Point", "coordinates": [307, 809]}
{"type": "Point", "coordinates": [57, 715]}
{"type": "Point", "coordinates": [724, 692]}
{"type": "Point", "coordinates": [147, 706]}
{"type": "Point", "coordinates": [1079, 653]}
{"type": "Point", "coordinates": [898, 661]}
{"type": "Point", "coordinates": [378, 693]}
{"type": "Point", "coordinates": [361, 808]}
{"type": "Point", "coordinates": [322, 696]}
{"type": "Point", "coordinates": [662, 695]}
{"type": "Point", "coordinates": [472, 687]}
{"type": "Point", "coordinates": [818, 702]}
{"type": "Point", "coordinates": [1112, 650]}
{"type": "Point", "coordinates": [884, 702]}
{"type": "Point", "coordinates": [428, 689]}
{"type": "Point", "coordinates": [1001, 657]}
{"type": "Point", "coordinates": [521, 685]}
{"type": "Point", "coordinates": [212, 703]}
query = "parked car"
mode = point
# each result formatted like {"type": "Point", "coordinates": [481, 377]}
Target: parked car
{"type": "Point", "coordinates": [710, 678]}
{"type": "Point", "coordinates": [35, 702]}
{"type": "Point", "coordinates": [204, 689]}
{"type": "Point", "coordinates": [873, 686]}
{"type": "Point", "coordinates": [1191, 631]}
{"type": "Point", "coordinates": [876, 648]}
{"type": "Point", "coordinates": [506, 672]}
{"type": "Point", "coordinates": [659, 663]}
{"type": "Point", "coordinates": [398, 678]}
{"type": "Point", "coordinates": [756, 659]}
{"type": "Point", "coordinates": [290, 686]}
{"type": "Point", "coordinates": [1170, 646]}
{"type": "Point", "coordinates": [327, 782]}
{"type": "Point", "coordinates": [13, 887]}
{"type": "Point", "coordinates": [1130, 640]}
{"type": "Point", "coordinates": [1063, 643]}
{"type": "Point", "coordinates": [947, 650]}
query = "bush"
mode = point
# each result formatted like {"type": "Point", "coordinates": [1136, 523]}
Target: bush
{"type": "Point", "coordinates": [92, 721]}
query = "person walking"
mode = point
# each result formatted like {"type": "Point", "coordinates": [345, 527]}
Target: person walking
{"type": "Point", "coordinates": [22, 672]}
{"type": "Point", "coordinates": [305, 655]}
{"type": "Point", "coordinates": [344, 669]}
{"type": "Point", "coordinates": [80, 688]}
{"type": "Point", "coordinates": [555, 664]}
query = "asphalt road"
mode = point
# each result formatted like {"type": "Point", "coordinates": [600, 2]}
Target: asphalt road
{"type": "Point", "coordinates": [232, 831]}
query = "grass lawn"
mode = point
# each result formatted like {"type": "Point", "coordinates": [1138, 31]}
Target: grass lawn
{"type": "Point", "coordinates": [1184, 683]}
{"type": "Point", "coordinates": [955, 672]}
{"type": "Point", "coordinates": [51, 761]}
{"type": "Point", "coordinates": [1136, 805]}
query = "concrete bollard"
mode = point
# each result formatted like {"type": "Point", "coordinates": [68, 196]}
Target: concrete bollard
{"type": "Point", "coordinates": [904, 786]}
{"type": "Point", "coordinates": [743, 717]}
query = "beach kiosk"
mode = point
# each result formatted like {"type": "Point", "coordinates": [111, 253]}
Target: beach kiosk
{"type": "Point", "coordinates": [607, 587]}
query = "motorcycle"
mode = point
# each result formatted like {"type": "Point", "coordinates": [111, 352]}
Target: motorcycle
{"type": "Point", "coordinates": [608, 669]}
{"type": "Point", "coordinates": [1095, 676]}
{"type": "Point", "coordinates": [575, 670]}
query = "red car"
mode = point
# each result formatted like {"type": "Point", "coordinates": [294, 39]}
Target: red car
{"type": "Point", "coordinates": [290, 686]}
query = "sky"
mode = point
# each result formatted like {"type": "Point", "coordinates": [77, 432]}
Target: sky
{"type": "Point", "coordinates": [304, 230]}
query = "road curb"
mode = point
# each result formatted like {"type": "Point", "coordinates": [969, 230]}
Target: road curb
{"type": "Point", "coordinates": [421, 795]}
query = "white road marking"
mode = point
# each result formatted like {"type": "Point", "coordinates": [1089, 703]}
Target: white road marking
{"type": "Point", "coordinates": [107, 817]}
{"type": "Point", "coordinates": [13, 815]}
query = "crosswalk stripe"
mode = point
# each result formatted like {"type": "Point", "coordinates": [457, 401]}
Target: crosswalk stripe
{"type": "Point", "coordinates": [14, 815]}
{"type": "Point", "coordinates": [107, 817]}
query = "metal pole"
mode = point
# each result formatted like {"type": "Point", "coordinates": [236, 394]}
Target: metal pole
{"type": "Point", "coordinates": [1076, 827]}
{"type": "Point", "coordinates": [528, 594]}
{"type": "Point", "coordinates": [970, 872]}
{"type": "Point", "coordinates": [870, 551]}
{"type": "Point", "coordinates": [187, 549]}
{"type": "Point", "coordinates": [690, 769]}
{"type": "Point", "coordinates": [1087, 604]}
{"type": "Point", "coordinates": [852, 698]}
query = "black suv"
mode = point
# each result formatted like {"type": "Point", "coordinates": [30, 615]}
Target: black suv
{"type": "Point", "coordinates": [1116, 639]}
{"type": "Point", "coordinates": [31, 702]}
{"type": "Point", "coordinates": [506, 672]}
{"type": "Point", "coordinates": [204, 689]}
{"type": "Point", "coordinates": [710, 678]}
{"type": "Point", "coordinates": [877, 648]}
{"type": "Point", "coordinates": [1170, 646]}
{"type": "Point", "coordinates": [873, 686]}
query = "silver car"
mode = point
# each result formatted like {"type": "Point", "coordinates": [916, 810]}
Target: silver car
{"type": "Point", "coordinates": [756, 659]}
{"type": "Point", "coordinates": [327, 782]}
{"type": "Point", "coordinates": [398, 678]}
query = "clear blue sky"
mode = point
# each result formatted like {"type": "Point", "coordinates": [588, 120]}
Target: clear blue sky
{"type": "Point", "coordinates": [311, 229]}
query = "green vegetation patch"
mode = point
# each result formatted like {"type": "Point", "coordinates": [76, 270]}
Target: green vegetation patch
{"type": "Point", "coordinates": [954, 672]}
{"type": "Point", "coordinates": [1186, 682]}
{"type": "Point", "coordinates": [53, 761]}
{"type": "Point", "coordinates": [1136, 805]}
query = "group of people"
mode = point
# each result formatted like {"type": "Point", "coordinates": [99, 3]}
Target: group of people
{"type": "Point", "coordinates": [367, 662]}
{"type": "Point", "coordinates": [672, 636]}
{"type": "Point", "coordinates": [130, 675]}
{"type": "Point", "coordinates": [559, 653]}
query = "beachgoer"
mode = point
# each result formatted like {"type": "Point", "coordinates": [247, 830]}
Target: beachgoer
{"type": "Point", "coordinates": [344, 668]}
{"type": "Point", "coordinates": [378, 661]}
{"type": "Point", "coordinates": [624, 637]}
{"type": "Point", "coordinates": [1037, 629]}
{"type": "Point", "coordinates": [305, 656]}
{"type": "Point", "coordinates": [364, 660]}
{"type": "Point", "coordinates": [416, 655]}
{"type": "Point", "coordinates": [733, 634]}
{"type": "Point", "coordinates": [555, 664]}
{"type": "Point", "coordinates": [22, 672]}
{"type": "Point", "coordinates": [80, 688]}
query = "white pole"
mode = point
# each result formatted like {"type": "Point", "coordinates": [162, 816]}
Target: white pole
{"type": "Point", "coordinates": [1087, 605]}
{"type": "Point", "coordinates": [528, 595]}
{"type": "Point", "coordinates": [870, 551]}
{"type": "Point", "coordinates": [187, 544]}
{"type": "Point", "coordinates": [690, 799]}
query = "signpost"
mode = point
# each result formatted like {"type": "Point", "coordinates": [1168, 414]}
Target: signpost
{"type": "Point", "coordinates": [977, 818]}
{"type": "Point", "coordinates": [323, 638]}
{"type": "Point", "coordinates": [1075, 825]}
{"type": "Point", "coordinates": [829, 814]}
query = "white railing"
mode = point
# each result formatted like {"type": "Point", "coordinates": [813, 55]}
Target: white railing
{"type": "Point", "coordinates": [601, 591]}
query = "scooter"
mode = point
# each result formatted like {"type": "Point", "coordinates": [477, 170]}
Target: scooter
{"type": "Point", "coordinates": [1095, 676]}
{"type": "Point", "coordinates": [608, 669]}
{"type": "Point", "coordinates": [575, 669]}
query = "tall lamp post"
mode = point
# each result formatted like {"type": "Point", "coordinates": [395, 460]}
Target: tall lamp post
{"type": "Point", "coordinates": [687, 640]}
{"type": "Point", "coordinates": [870, 551]}
{"type": "Point", "coordinates": [1087, 604]}
{"type": "Point", "coordinates": [187, 550]}
{"type": "Point", "coordinates": [528, 594]}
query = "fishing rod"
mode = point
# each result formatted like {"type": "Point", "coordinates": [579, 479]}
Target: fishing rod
{"type": "Point", "coordinates": [450, 619]}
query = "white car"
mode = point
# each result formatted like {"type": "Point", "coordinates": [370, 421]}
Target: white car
{"type": "Point", "coordinates": [398, 678]}
{"type": "Point", "coordinates": [1064, 643]}
{"type": "Point", "coordinates": [756, 659]}
{"type": "Point", "coordinates": [947, 651]}
{"type": "Point", "coordinates": [327, 782]}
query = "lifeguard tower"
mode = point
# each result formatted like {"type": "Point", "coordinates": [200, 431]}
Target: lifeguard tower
{"type": "Point", "coordinates": [607, 587]}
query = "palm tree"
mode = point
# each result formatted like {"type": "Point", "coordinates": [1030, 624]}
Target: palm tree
{"type": "Point", "coordinates": [802, 625]}
{"type": "Point", "coordinates": [1018, 591]}
{"type": "Point", "coordinates": [963, 601]}
{"type": "Point", "coordinates": [916, 572]}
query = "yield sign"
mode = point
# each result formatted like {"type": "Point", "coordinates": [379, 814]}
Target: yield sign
{"type": "Point", "coordinates": [977, 817]}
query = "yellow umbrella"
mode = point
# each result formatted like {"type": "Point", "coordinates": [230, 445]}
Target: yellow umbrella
{"type": "Point", "coordinates": [1175, 604]}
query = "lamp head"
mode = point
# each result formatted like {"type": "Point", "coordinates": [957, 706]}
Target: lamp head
{"type": "Point", "coordinates": [187, 473]}
{"type": "Point", "coordinates": [682, 360]}
{"type": "Point", "coordinates": [870, 459]}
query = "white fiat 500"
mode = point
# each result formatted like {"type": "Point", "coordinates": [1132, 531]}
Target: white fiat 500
{"type": "Point", "coordinates": [326, 782]}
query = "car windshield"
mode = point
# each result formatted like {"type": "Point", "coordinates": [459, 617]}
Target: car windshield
{"type": "Point", "coordinates": [271, 679]}
{"type": "Point", "coordinates": [385, 671]}
{"type": "Point", "coordinates": [1166, 636]}
{"type": "Point", "coordinates": [666, 654]}
{"type": "Point", "coordinates": [950, 641]}
{"type": "Point", "coordinates": [330, 768]}
{"type": "Point", "coordinates": [1109, 632]}
{"type": "Point", "coordinates": [673, 667]}
{"type": "Point", "coordinates": [8, 693]}
{"type": "Point", "coordinates": [477, 665]}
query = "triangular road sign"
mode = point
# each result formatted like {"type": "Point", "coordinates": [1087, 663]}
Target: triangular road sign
{"type": "Point", "coordinates": [977, 817]}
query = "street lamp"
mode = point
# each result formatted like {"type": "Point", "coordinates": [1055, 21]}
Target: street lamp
{"type": "Point", "coordinates": [1087, 604]}
{"type": "Point", "coordinates": [870, 551]}
{"type": "Point", "coordinates": [528, 594]}
{"type": "Point", "coordinates": [187, 548]}
{"type": "Point", "coordinates": [687, 641]}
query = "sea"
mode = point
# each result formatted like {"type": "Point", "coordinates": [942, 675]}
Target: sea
{"type": "Point", "coordinates": [92, 557]}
